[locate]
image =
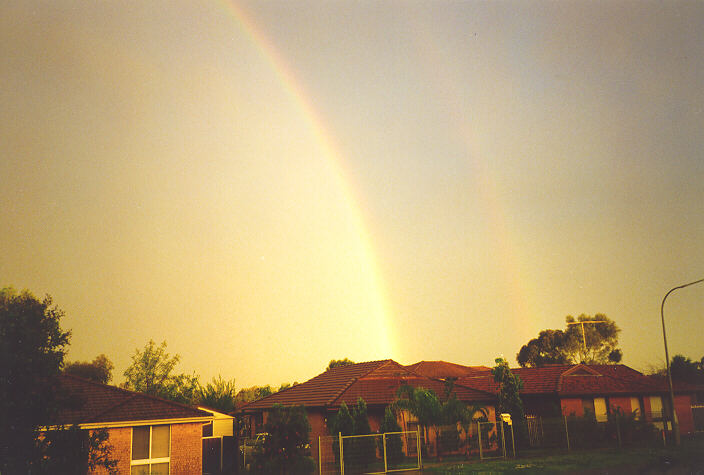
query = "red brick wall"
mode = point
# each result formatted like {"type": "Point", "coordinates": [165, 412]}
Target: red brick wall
{"type": "Point", "coordinates": [572, 405]}
{"type": "Point", "coordinates": [121, 441]}
{"type": "Point", "coordinates": [624, 403]}
{"type": "Point", "coordinates": [186, 449]}
{"type": "Point", "coordinates": [683, 408]}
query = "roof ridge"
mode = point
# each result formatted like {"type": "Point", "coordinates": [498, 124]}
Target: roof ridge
{"type": "Point", "coordinates": [354, 379]}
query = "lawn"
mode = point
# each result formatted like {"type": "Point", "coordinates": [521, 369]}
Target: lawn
{"type": "Point", "coordinates": [688, 458]}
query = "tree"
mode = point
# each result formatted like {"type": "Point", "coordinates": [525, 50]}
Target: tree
{"type": "Point", "coordinates": [99, 370]}
{"type": "Point", "coordinates": [284, 450]}
{"type": "Point", "coordinates": [684, 369]}
{"type": "Point", "coordinates": [364, 447]}
{"type": "Point", "coordinates": [591, 343]}
{"type": "Point", "coordinates": [32, 350]}
{"type": "Point", "coordinates": [253, 393]}
{"type": "Point", "coordinates": [548, 348]}
{"type": "Point", "coordinates": [394, 443]}
{"type": "Point", "coordinates": [75, 450]}
{"type": "Point", "coordinates": [151, 372]}
{"type": "Point", "coordinates": [218, 394]}
{"type": "Point", "coordinates": [338, 363]}
{"type": "Point", "coordinates": [510, 401]}
{"type": "Point", "coordinates": [423, 403]}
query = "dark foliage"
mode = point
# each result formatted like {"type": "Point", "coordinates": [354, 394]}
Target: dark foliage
{"type": "Point", "coordinates": [32, 349]}
{"type": "Point", "coordinates": [286, 449]}
{"type": "Point", "coordinates": [98, 370]}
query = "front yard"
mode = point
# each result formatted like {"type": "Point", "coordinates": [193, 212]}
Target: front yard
{"type": "Point", "coordinates": [689, 458]}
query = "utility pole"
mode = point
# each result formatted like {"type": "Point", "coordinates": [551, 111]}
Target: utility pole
{"type": "Point", "coordinates": [675, 423]}
{"type": "Point", "coordinates": [584, 338]}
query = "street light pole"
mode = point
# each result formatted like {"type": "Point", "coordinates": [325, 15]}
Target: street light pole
{"type": "Point", "coordinates": [675, 423]}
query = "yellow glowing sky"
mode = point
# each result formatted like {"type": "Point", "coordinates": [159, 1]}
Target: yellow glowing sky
{"type": "Point", "coordinates": [270, 185]}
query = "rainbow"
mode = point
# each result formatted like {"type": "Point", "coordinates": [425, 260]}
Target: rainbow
{"type": "Point", "coordinates": [335, 163]}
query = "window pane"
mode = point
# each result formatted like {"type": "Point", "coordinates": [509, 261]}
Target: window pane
{"type": "Point", "coordinates": [140, 443]}
{"type": "Point", "coordinates": [160, 441]}
{"type": "Point", "coordinates": [139, 470]}
{"type": "Point", "coordinates": [160, 469]}
{"type": "Point", "coordinates": [600, 410]}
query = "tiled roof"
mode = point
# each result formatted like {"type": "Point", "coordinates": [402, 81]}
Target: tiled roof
{"type": "Point", "coordinates": [377, 382]}
{"type": "Point", "coordinates": [92, 403]}
{"type": "Point", "coordinates": [321, 390]}
{"type": "Point", "coordinates": [443, 369]}
{"type": "Point", "coordinates": [576, 380]}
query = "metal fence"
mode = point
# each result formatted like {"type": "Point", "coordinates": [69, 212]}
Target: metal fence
{"type": "Point", "coordinates": [571, 433]}
{"type": "Point", "coordinates": [372, 453]}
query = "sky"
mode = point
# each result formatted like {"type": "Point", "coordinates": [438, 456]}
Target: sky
{"type": "Point", "coordinates": [269, 185]}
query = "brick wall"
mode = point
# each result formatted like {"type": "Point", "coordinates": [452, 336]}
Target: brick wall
{"type": "Point", "coordinates": [186, 449]}
{"type": "Point", "coordinates": [683, 408]}
{"type": "Point", "coordinates": [572, 406]}
{"type": "Point", "coordinates": [121, 441]}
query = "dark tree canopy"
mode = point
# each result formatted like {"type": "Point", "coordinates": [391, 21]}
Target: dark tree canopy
{"type": "Point", "coordinates": [684, 369]}
{"type": "Point", "coordinates": [32, 349]}
{"type": "Point", "coordinates": [151, 372]}
{"type": "Point", "coordinates": [338, 363]}
{"type": "Point", "coordinates": [99, 370]}
{"type": "Point", "coordinates": [218, 394]}
{"type": "Point", "coordinates": [580, 342]}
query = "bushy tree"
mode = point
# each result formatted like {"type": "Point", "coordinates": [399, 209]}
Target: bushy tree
{"type": "Point", "coordinates": [423, 403]}
{"type": "Point", "coordinates": [684, 369]}
{"type": "Point", "coordinates": [74, 450]}
{"type": "Point", "coordinates": [510, 401]}
{"type": "Point", "coordinates": [218, 394]}
{"type": "Point", "coordinates": [596, 344]}
{"type": "Point", "coordinates": [337, 363]}
{"type": "Point", "coordinates": [253, 393]}
{"type": "Point", "coordinates": [285, 450]}
{"type": "Point", "coordinates": [394, 444]}
{"type": "Point", "coordinates": [32, 349]}
{"type": "Point", "coordinates": [364, 447]}
{"type": "Point", "coordinates": [151, 372]}
{"type": "Point", "coordinates": [98, 370]}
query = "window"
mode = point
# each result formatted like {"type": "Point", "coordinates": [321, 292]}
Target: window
{"type": "Point", "coordinates": [601, 409]}
{"type": "Point", "coordinates": [637, 407]}
{"type": "Point", "coordinates": [656, 407]}
{"type": "Point", "coordinates": [150, 450]}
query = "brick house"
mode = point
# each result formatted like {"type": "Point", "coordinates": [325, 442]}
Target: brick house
{"type": "Point", "coordinates": [547, 391]}
{"type": "Point", "coordinates": [377, 382]}
{"type": "Point", "coordinates": [601, 389]}
{"type": "Point", "coordinates": [148, 434]}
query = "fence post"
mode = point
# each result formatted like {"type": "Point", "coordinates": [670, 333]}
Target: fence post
{"type": "Point", "coordinates": [420, 448]}
{"type": "Point", "coordinates": [618, 432]}
{"type": "Point", "coordinates": [383, 439]}
{"type": "Point", "coordinates": [320, 456]}
{"type": "Point", "coordinates": [567, 433]}
{"type": "Point", "coordinates": [342, 460]}
{"type": "Point", "coordinates": [542, 432]}
{"type": "Point", "coordinates": [479, 434]}
{"type": "Point", "coordinates": [513, 442]}
{"type": "Point", "coordinates": [503, 438]}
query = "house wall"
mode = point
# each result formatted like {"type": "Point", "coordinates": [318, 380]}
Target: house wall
{"type": "Point", "coordinates": [121, 441]}
{"type": "Point", "coordinates": [572, 406]}
{"type": "Point", "coordinates": [683, 408]}
{"type": "Point", "coordinates": [622, 403]}
{"type": "Point", "coordinates": [186, 449]}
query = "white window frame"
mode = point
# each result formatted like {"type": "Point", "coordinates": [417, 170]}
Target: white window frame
{"type": "Point", "coordinates": [150, 461]}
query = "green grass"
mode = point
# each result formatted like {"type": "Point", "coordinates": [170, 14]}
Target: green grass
{"type": "Point", "coordinates": [689, 457]}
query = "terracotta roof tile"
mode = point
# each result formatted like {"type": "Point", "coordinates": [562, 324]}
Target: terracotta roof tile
{"type": "Point", "coordinates": [92, 402]}
{"type": "Point", "coordinates": [443, 369]}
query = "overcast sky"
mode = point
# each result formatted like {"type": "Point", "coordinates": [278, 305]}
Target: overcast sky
{"type": "Point", "coordinates": [267, 185]}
